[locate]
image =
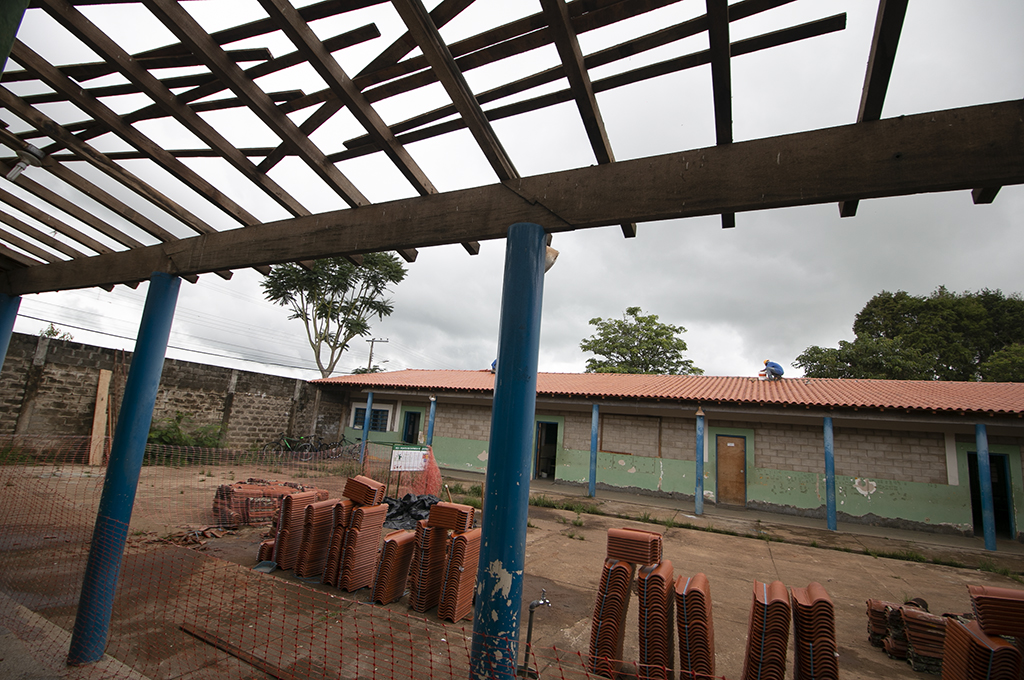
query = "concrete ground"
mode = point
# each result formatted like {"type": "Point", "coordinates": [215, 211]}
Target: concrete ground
{"type": "Point", "coordinates": [733, 547]}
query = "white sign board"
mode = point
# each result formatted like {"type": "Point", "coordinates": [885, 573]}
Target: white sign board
{"type": "Point", "coordinates": [408, 458]}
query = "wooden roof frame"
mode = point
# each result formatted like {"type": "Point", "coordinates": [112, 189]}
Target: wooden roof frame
{"type": "Point", "coordinates": [976, 148]}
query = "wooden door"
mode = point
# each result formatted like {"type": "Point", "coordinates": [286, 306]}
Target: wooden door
{"type": "Point", "coordinates": [731, 454]}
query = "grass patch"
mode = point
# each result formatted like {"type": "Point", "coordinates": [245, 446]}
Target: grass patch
{"type": "Point", "coordinates": [579, 507]}
{"type": "Point", "coordinates": [476, 490]}
{"type": "Point", "coordinates": [993, 568]}
{"type": "Point", "coordinates": [456, 489]}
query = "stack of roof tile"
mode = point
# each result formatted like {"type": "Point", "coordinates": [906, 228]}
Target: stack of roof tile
{"type": "Point", "coordinates": [393, 566]}
{"type": "Point", "coordinates": [926, 635]}
{"type": "Point", "coordinates": [363, 490]}
{"type": "Point", "coordinates": [814, 634]}
{"type": "Point", "coordinates": [339, 523]}
{"type": "Point", "coordinates": [254, 500]}
{"type": "Point", "coordinates": [767, 633]}
{"type": "Point", "coordinates": [655, 593]}
{"type": "Point", "coordinates": [362, 542]}
{"type": "Point", "coordinates": [427, 571]}
{"type": "Point", "coordinates": [289, 527]}
{"type": "Point", "coordinates": [878, 622]}
{"type": "Point", "coordinates": [971, 654]}
{"type": "Point", "coordinates": [266, 551]}
{"type": "Point", "coordinates": [608, 630]}
{"type": "Point", "coordinates": [454, 516]}
{"type": "Point", "coordinates": [317, 526]}
{"type": "Point", "coordinates": [1000, 611]}
{"type": "Point", "coordinates": [456, 602]}
{"type": "Point", "coordinates": [695, 627]}
{"type": "Point", "coordinates": [895, 643]}
{"type": "Point", "coordinates": [635, 546]}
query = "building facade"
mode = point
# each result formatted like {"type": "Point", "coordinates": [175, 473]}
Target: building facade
{"type": "Point", "coordinates": [905, 452]}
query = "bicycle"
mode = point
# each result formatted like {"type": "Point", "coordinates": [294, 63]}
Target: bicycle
{"type": "Point", "coordinates": [344, 448]}
{"type": "Point", "coordinates": [301, 448]}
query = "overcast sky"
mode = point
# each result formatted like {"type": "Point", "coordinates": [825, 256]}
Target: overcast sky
{"type": "Point", "coordinates": [782, 280]}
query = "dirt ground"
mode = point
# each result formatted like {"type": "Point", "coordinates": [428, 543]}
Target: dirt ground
{"type": "Point", "coordinates": [564, 557]}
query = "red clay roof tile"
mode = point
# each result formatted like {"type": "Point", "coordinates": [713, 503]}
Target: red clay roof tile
{"type": "Point", "coordinates": [1007, 398]}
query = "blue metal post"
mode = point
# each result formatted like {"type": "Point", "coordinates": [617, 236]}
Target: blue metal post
{"type": "Point", "coordinates": [499, 581]}
{"type": "Point", "coordinates": [594, 420]}
{"type": "Point", "coordinates": [830, 475]}
{"type": "Point", "coordinates": [89, 638]}
{"type": "Point", "coordinates": [366, 426]}
{"type": "Point", "coordinates": [9, 305]}
{"type": "Point", "coordinates": [430, 420]}
{"type": "Point", "coordinates": [988, 512]}
{"type": "Point", "coordinates": [698, 491]}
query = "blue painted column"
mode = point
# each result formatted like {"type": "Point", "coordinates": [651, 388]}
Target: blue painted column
{"type": "Point", "coordinates": [366, 426]}
{"type": "Point", "coordinates": [698, 490]}
{"type": "Point", "coordinates": [830, 475]}
{"type": "Point", "coordinates": [594, 421]}
{"type": "Point", "coordinates": [89, 638]}
{"type": "Point", "coordinates": [988, 512]}
{"type": "Point", "coordinates": [430, 420]}
{"type": "Point", "coordinates": [499, 581]}
{"type": "Point", "coordinates": [9, 305]}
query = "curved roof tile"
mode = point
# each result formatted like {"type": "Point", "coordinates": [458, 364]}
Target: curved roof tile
{"type": "Point", "coordinates": [1005, 398]}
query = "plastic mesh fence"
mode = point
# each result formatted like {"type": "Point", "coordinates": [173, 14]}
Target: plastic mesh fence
{"type": "Point", "coordinates": [188, 603]}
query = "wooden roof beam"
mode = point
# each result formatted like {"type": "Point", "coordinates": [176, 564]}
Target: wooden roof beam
{"type": "Point", "coordinates": [84, 72]}
{"type": "Point", "coordinates": [441, 61]}
{"type": "Point", "coordinates": [569, 51]}
{"type": "Point", "coordinates": [741, 47]}
{"type": "Point", "coordinates": [888, 26]}
{"type": "Point", "coordinates": [98, 160]}
{"type": "Point", "coordinates": [99, 42]}
{"type": "Point", "coordinates": [936, 151]}
{"type": "Point", "coordinates": [207, 84]}
{"type": "Point", "coordinates": [133, 136]}
{"type": "Point", "coordinates": [189, 32]}
{"type": "Point", "coordinates": [594, 60]}
{"type": "Point", "coordinates": [721, 79]}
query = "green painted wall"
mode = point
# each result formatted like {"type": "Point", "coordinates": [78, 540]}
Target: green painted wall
{"type": "Point", "coordinates": [614, 469]}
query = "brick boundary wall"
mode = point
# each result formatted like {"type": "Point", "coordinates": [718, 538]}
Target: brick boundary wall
{"type": "Point", "coordinates": [48, 387]}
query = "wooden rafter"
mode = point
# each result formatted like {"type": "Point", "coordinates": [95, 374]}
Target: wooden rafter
{"type": "Point", "coordinates": [579, 83]}
{"type": "Point", "coordinates": [100, 43]}
{"type": "Point", "coordinates": [721, 79]}
{"type": "Point", "coordinates": [423, 30]}
{"type": "Point", "coordinates": [886, 38]}
{"type": "Point", "coordinates": [189, 32]}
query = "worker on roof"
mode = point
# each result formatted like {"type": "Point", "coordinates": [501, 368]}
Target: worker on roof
{"type": "Point", "coordinates": [772, 370]}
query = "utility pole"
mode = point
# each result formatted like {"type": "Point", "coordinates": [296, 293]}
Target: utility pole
{"type": "Point", "coordinates": [369, 364]}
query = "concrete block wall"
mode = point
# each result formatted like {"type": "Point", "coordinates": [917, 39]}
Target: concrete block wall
{"type": "Point", "coordinates": [635, 435]}
{"type": "Point", "coordinates": [48, 387]}
{"type": "Point", "coordinates": [878, 454]}
{"type": "Point", "coordinates": [462, 421]}
{"type": "Point", "coordinates": [679, 438]}
{"type": "Point", "coordinates": [577, 431]}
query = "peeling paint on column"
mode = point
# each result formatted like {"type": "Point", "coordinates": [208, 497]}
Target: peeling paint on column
{"type": "Point", "coordinates": [502, 578]}
{"type": "Point", "coordinates": [661, 473]}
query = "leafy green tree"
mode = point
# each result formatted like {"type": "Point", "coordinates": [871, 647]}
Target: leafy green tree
{"type": "Point", "coordinates": [335, 300]}
{"type": "Point", "coordinates": [943, 336]}
{"type": "Point", "coordinates": [1006, 365]}
{"type": "Point", "coordinates": [637, 343]}
{"type": "Point", "coordinates": [52, 331]}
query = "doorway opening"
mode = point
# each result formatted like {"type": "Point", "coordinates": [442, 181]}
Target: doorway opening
{"type": "Point", "coordinates": [411, 427]}
{"type": "Point", "coordinates": [546, 450]}
{"type": "Point", "coordinates": [731, 459]}
{"type": "Point", "coordinates": [1002, 496]}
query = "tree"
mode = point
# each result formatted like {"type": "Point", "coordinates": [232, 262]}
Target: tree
{"type": "Point", "coordinates": [335, 300]}
{"type": "Point", "coordinates": [52, 331]}
{"type": "Point", "coordinates": [637, 344]}
{"type": "Point", "coordinates": [1006, 365]}
{"type": "Point", "coordinates": [944, 336]}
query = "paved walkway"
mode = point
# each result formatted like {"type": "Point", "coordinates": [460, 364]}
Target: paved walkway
{"type": "Point", "coordinates": [850, 536]}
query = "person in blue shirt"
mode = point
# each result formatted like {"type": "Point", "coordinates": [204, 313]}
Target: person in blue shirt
{"type": "Point", "coordinates": [772, 370]}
